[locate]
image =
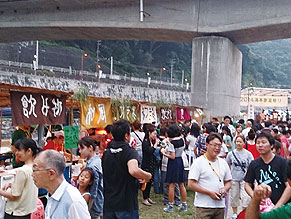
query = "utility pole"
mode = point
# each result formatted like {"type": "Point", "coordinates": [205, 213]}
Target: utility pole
{"type": "Point", "coordinates": [35, 61]}
{"type": "Point", "coordinates": [36, 53]}
{"type": "Point", "coordinates": [97, 54]}
{"type": "Point", "coordinates": [18, 52]}
{"type": "Point", "coordinates": [111, 65]}
{"type": "Point", "coordinates": [182, 78]}
{"type": "Point", "coordinates": [172, 64]}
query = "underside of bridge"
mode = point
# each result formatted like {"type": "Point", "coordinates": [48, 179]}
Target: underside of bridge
{"type": "Point", "coordinates": [213, 27]}
{"type": "Point", "coordinates": [164, 20]}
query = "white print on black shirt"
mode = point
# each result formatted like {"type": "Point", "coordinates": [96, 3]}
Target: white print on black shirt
{"type": "Point", "coordinates": [265, 177]}
{"type": "Point", "coordinates": [115, 151]}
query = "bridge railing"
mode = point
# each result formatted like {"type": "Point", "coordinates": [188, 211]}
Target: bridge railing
{"type": "Point", "coordinates": [51, 71]}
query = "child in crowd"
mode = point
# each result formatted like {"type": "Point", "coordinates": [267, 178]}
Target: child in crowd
{"type": "Point", "coordinates": [85, 180]}
{"type": "Point", "coordinates": [88, 147]}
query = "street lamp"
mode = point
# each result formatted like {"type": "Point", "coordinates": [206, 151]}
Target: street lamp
{"type": "Point", "coordinates": [84, 54]}
{"type": "Point", "coordinates": [149, 79]}
{"type": "Point", "coordinates": [187, 84]}
{"type": "Point", "coordinates": [99, 71]}
{"type": "Point", "coordinates": [161, 73]}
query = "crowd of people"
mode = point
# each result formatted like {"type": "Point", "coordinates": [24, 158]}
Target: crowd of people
{"type": "Point", "coordinates": [230, 164]}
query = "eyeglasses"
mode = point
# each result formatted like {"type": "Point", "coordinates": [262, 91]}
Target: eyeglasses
{"type": "Point", "coordinates": [35, 170]}
{"type": "Point", "coordinates": [215, 145]}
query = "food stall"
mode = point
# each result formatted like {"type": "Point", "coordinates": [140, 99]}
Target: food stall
{"type": "Point", "coordinates": [33, 106]}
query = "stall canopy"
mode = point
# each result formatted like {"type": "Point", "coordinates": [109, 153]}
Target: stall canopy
{"type": "Point", "coordinates": [5, 90]}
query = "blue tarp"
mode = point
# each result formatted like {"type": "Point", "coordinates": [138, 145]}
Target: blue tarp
{"type": "Point", "coordinates": [6, 112]}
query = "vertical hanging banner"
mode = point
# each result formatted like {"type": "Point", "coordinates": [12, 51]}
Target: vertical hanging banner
{"type": "Point", "coordinates": [125, 111]}
{"type": "Point", "coordinates": [251, 111]}
{"type": "Point", "coordinates": [128, 112]}
{"type": "Point", "coordinates": [166, 114]}
{"type": "Point", "coordinates": [71, 136]}
{"type": "Point", "coordinates": [96, 113]}
{"type": "Point", "coordinates": [148, 114]}
{"type": "Point", "coordinates": [183, 114]}
{"type": "Point", "coordinates": [37, 108]}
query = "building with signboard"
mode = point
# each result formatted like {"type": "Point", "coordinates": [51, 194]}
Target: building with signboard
{"type": "Point", "coordinates": [253, 100]}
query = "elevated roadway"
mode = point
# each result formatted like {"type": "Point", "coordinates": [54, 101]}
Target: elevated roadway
{"type": "Point", "coordinates": [214, 27]}
{"type": "Point", "coordinates": [164, 20]}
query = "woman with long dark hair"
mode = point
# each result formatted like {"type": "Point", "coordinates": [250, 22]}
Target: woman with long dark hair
{"type": "Point", "coordinates": [190, 141]}
{"type": "Point", "coordinates": [175, 168]}
{"type": "Point", "coordinates": [23, 195]}
{"type": "Point", "coordinates": [227, 138]}
{"type": "Point", "coordinates": [251, 144]}
{"type": "Point", "coordinates": [138, 135]}
{"type": "Point", "coordinates": [149, 145]}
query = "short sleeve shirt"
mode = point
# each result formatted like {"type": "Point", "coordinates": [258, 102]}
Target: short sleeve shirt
{"type": "Point", "coordinates": [24, 187]}
{"type": "Point", "coordinates": [239, 165]}
{"type": "Point", "coordinates": [179, 145]}
{"type": "Point", "coordinates": [261, 172]}
{"type": "Point", "coordinates": [171, 148]}
{"type": "Point", "coordinates": [223, 150]}
{"type": "Point", "coordinates": [226, 140]}
{"type": "Point", "coordinates": [191, 139]}
{"type": "Point", "coordinates": [206, 178]}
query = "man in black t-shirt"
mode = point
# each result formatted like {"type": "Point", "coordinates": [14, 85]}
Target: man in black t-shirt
{"type": "Point", "coordinates": [269, 169]}
{"type": "Point", "coordinates": [120, 174]}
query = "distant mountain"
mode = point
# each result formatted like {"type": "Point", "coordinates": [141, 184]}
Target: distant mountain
{"type": "Point", "coordinates": [265, 64]}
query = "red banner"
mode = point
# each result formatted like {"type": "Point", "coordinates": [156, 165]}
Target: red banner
{"type": "Point", "coordinates": [36, 108]}
{"type": "Point", "coordinates": [183, 114]}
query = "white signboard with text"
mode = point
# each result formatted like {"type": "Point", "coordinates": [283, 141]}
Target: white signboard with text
{"type": "Point", "coordinates": [148, 114]}
{"type": "Point", "coordinates": [264, 101]}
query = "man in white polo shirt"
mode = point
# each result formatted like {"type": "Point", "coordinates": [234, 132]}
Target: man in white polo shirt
{"type": "Point", "coordinates": [210, 178]}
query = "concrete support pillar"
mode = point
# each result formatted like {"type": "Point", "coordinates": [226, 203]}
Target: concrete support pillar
{"type": "Point", "coordinates": [216, 76]}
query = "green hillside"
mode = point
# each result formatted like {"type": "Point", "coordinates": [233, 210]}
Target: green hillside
{"type": "Point", "coordinates": [140, 58]}
{"type": "Point", "coordinates": [265, 64]}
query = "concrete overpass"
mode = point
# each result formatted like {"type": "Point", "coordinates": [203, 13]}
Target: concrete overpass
{"type": "Point", "coordinates": [213, 26]}
{"type": "Point", "coordinates": [165, 20]}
